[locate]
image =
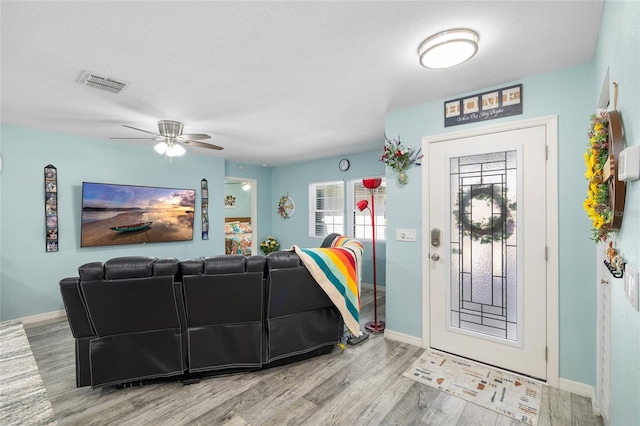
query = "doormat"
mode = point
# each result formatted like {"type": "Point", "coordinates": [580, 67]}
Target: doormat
{"type": "Point", "coordinates": [508, 394]}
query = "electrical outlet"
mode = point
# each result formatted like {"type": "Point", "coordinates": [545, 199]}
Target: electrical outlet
{"type": "Point", "coordinates": [631, 286]}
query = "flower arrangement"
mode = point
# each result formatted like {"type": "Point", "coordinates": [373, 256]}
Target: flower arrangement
{"type": "Point", "coordinates": [597, 202]}
{"type": "Point", "coordinates": [270, 244]}
{"type": "Point", "coordinates": [399, 157]}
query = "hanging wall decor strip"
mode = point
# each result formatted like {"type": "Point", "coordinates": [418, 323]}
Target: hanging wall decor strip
{"type": "Point", "coordinates": [205, 209]}
{"type": "Point", "coordinates": [51, 207]}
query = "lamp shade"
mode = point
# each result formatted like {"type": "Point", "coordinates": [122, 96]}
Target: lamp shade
{"type": "Point", "coordinates": [362, 204]}
{"type": "Point", "coordinates": [448, 48]}
{"type": "Point", "coordinates": [371, 183]}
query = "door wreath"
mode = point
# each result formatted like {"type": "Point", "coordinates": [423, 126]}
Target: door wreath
{"type": "Point", "coordinates": [494, 227]}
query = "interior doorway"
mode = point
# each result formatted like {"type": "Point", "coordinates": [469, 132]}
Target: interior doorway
{"type": "Point", "coordinates": [240, 216]}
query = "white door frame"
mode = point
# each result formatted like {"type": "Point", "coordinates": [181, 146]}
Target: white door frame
{"type": "Point", "coordinates": [551, 130]}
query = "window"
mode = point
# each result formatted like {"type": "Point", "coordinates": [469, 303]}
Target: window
{"type": "Point", "coordinates": [360, 226]}
{"type": "Point", "coordinates": [331, 202]}
{"type": "Point", "coordinates": [326, 208]}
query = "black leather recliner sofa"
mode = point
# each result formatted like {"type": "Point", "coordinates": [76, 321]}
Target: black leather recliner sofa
{"type": "Point", "coordinates": [142, 318]}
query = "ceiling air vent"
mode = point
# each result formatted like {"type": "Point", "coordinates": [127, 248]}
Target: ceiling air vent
{"type": "Point", "coordinates": [103, 83]}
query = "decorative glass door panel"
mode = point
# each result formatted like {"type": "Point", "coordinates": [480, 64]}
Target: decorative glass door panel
{"type": "Point", "coordinates": [483, 190]}
{"type": "Point", "coordinates": [486, 259]}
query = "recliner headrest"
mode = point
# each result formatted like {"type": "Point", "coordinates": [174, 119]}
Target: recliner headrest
{"type": "Point", "coordinates": [224, 264]}
{"type": "Point", "coordinates": [283, 259]}
{"type": "Point", "coordinates": [255, 263]}
{"type": "Point", "coordinates": [168, 266]}
{"type": "Point", "coordinates": [91, 271]}
{"type": "Point", "coordinates": [129, 267]}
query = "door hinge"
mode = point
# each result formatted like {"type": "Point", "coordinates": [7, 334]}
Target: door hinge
{"type": "Point", "coordinates": [546, 253]}
{"type": "Point", "coordinates": [546, 152]}
{"type": "Point", "coordinates": [546, 353]}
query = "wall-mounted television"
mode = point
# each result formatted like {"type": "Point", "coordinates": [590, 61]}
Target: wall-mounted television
{"type": "Point", "coordinates": [128, 214]}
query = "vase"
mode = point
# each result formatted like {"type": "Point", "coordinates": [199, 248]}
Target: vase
{"type": "Point", "coordinates": [403, 178]}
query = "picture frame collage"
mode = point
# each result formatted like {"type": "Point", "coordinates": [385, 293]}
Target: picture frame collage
{"type": "Point", "coordinates": [51, 207]}
{"type": "Point", "coordinates": [204, 189]}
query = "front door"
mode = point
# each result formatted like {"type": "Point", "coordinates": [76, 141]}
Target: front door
{"type": "Point", "coordinates": [487, 268]}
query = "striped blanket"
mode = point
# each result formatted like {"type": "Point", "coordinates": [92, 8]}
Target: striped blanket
{"type": "Point", "coordinates": [338, 271]}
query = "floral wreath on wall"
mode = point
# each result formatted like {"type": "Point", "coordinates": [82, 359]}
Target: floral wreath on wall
{"type": "Point", "coordinates": [597, 202]}
{"type": "Point", "coordinates": [286, 206]}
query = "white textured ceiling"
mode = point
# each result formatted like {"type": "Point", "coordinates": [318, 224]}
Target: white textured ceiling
{"type": "Point", "coordinates": [271, 82]}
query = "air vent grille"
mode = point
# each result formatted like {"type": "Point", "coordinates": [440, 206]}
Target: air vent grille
{"type": "Point", "coordinates": [103, 83]}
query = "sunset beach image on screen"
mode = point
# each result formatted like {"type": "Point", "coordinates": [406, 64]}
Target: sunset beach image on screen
{"type": "Point", "coordinates": [114, 214]}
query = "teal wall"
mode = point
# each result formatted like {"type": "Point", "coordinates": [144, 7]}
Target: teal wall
{"type": "Point", "coordinates": [243, 200]}
{"type": "Point", "coordinates": [295, 179]}
{"type": "Point", "coordinates": [619, 51]}
{"type": "Point", "coordinates": [28, 275]}
{"type": "Point", "coordinates": [568, 95]}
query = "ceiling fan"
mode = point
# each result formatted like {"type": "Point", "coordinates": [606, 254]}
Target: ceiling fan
{"type": "Point", "coordinates": [170, 137]}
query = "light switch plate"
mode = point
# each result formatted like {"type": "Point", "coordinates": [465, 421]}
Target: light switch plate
{"type": "Point", "coordinates": [405, 234]}
{"type": "Point", "coordinates": [631, 286]}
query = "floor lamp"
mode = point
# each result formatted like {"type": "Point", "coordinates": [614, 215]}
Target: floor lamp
{"type": "Point", "coordinates": [371, 184]}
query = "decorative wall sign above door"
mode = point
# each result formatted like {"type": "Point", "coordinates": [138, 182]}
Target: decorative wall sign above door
{"type": "Point", "coordinates": [484, 106]}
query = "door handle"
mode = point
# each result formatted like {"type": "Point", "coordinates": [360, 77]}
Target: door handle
{"type": "Point", "coordinates": [435, 257]}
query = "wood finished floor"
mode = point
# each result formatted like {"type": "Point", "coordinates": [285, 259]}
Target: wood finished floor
{"type": "Point", "coordinates": [361, 386]}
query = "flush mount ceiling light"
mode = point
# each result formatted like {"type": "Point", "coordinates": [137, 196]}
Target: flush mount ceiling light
{"type": "Point", "coordinates": [448, 48]}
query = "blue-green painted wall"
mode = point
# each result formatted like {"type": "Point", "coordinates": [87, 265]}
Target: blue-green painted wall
{"type": "Point", "coordinates": [243, 201]}
{"type": "Point", "coordinates": [619, 51]}
{"type": "Point", "coordinates": [295, 179]}
{"type": "Point", "coordinates": [28, 275]}
{"type": "Point", "coordinates": [569, 95]}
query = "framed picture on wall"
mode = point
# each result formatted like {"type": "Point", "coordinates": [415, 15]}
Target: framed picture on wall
{"type": "Point", "coordinates": [229, 202]}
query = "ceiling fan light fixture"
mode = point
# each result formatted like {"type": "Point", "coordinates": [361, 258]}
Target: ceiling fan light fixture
{"type": "Point", "coordinates": [448, 48]}
{"type": "Point", "coordinates": [175, 150]}
{"type": "Point", "coordinates": [161, 148]}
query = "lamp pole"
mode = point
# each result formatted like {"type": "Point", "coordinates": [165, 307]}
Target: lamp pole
{"type": "Point", "coordinates": [371, 184]}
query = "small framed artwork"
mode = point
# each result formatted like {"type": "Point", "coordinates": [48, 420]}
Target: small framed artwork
{"type": "Point", "coordinates": [229, 202]}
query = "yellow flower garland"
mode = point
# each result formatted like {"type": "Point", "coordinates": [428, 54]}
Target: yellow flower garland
{"type": "Point", "coordinates": [597, 202]}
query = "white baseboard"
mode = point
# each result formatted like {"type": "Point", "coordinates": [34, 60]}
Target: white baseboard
{"type": "Point", "coordinates": [582, 390]}
{"type": "Point", "coordinates": [402, 338]}
{"type": "Point", "coordinates": [47, 316]}
{"type": "Point", "coordinates": [368, 286]}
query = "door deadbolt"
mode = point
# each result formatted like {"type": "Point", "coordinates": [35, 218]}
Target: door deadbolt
{"type": "Point", "coordinates": [435, 237]}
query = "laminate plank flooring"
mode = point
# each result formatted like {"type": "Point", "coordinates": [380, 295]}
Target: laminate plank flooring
{"type": "Point", "coordinates": [362, 385]}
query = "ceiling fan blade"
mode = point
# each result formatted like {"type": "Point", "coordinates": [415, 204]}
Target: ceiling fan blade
{"type": "Point", "coordinates": [152, 139]}
{"type": "Point", "coordinates": [196, 136]}
{"type": "Point", "coordinates": [146, 131]}
{"type": "Point", "coordinates": [203, 145]}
